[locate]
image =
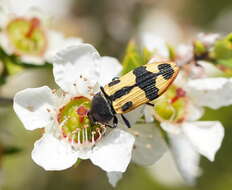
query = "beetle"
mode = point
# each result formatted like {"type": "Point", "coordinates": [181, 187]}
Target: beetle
{"type": "Point", "coordinates": [124, 94]}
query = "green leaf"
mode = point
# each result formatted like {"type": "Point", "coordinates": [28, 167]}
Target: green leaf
{"type": "Point", "coordinates": [172, 53]}
{"type": "Point", "coordinates": [134, 57]}
{"type": "Point", "coordinates": [199, 48]}
{"type": "Point", "coordinates": [225, 62]}
{"type": "Point", "coordinates": [77, 163]}
{"type": "Point", "coordinates": [11, 67]}
{"type": "Point", "coordinates": [223, 48]}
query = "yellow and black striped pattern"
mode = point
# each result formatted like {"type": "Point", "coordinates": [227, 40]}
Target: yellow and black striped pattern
{"type": "Point", "coordinates": [140, 86]}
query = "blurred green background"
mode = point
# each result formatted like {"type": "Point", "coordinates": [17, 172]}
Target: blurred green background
{"type": "Point", "coordinates": [109, 25]}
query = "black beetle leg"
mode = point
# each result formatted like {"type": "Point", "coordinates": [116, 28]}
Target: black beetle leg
{"type": "Point", "coordinates": [150, 104]}
{"type": "Point", "coordinates": [115, 122]}
{"type": "Point", "coordinates": [126, 121]}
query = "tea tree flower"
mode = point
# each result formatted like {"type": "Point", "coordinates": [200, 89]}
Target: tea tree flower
{"type": "Point", "coordinates": [26, 35]}
{"type": "Point", "coordinates": [148, 148]}
{"type": "Point", "coordinates": [46, 7]}
{"type": "Point", "coordinates": [68, 133]}
{"type": "Point", "coordinates": [179, 111]}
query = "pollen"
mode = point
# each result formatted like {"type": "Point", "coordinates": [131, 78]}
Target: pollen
{"type": "Point", "coordinates": [75, 125]}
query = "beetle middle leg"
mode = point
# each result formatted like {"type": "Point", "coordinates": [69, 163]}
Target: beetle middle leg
{"type": "Point", "coordinates": [126, 121]}
{"type": "Point", "coordinates": [150, 104]}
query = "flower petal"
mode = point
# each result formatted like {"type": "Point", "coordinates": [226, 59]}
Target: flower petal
{"type": "Point", "coordinates": [35, 60]}
{"type": "Point", "coordinates": [109, 68]}
{"type": "Point", "coordinates": [155, 44]}
{"type": "Point", "coordinates": [57, 42]}
{"type": "Point", "coordinates": [113, 152]}
{"type": "Point", "coordinates": [149, 114]}
{"type": "Point", "coordinates": [53, 154]}
{"type": "Point", "coordinates": [34, 106]}
{"type": "Point", "coordinates": [210, 70]}
{"type": "Point", "coordinates": [206, 136]}
{"type": "Point", "coordinates": [187, 159]}
{"type": "Point", "coordinates": [171, 127]}
{"type": "Point", "coordinates": [23, 6]}
{"type": "Point", "coordinates": [149, 144]}
{"type": "Point", "coordinates": [211, 92]}
{"type": "Point", "coordinates": [114, 177]}
{"type": "Point", "coordinates": [194, 112]}
{"type": "Point", "coordinates": [76, 67]}
{"type": "Point", "coordinates": [158, 171]}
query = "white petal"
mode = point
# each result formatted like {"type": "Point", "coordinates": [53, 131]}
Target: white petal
{"type": "Point", "coordinates": [47, 7]}
{"type": "Point", "coordinates": [73, 65]}
{"type": "Point", "coordinates": [53, 154]}
{"type": "Point", "coordinates": [114, 177]}
{"type": "Point", "coordinates": [34, 106]}
{"type": "Point", "coordinates": [3, 14]}
{"type": "Point", "coordinates": [32, 60]}
{"type": "Point", "coordinates": [109, 68]}
{"type": "Point", "coordinates": [158, 171]}
{"type": "Point", "coordinates": [184, 54]}
{"type": "Point", "coordinates": [149, 144]}
{"type": "Point", "coordinates": [208, 39]}
{"type": "Point", "coordinates": [5, 44]}
{"type": "Point", "coordinates": [57, 42]}
{"type": "Point", "coordinates": [113, 152]}
{"type": "Point", "coordinates": [149, 114]}
{"type": "Point", "coordinates": [155, 44]}
{"type": "Point", "coordinates": [194, 112]}
{"type": "Point", "coordinates": [206, 136]}
{"type": "Point", "coordinates": [210, 70]}
{"type": "Point", "coordinates": [171, 127]}
{"type": "Point", "coordinates": [211, 92]}
{"type": "Point", "coordinates": [187, 159]}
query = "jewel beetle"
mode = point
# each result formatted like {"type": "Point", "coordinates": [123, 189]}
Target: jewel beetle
{"type": "Point", "coordinates": [137, 87]}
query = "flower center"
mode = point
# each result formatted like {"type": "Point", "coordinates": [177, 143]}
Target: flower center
{"type": "Point", "coordinates": [75, 124]}
{"type": "Point", "coordinates": [172, 105]}
{"type": "Point", "coordinates": [27, 36]}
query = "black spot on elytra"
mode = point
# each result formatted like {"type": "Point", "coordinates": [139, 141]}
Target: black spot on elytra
{"type": "Point", "coordinates": [112, 83]}
{"type": "Point", "coordinates": [146, 81]}
{"type": "Point", "coordinates": [126, 106]}
{"type": "Point", "coordinates": [123, 91]}
{"type": "Point", "coordinates": [166, 70]}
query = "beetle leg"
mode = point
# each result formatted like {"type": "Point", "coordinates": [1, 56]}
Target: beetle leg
{"type": "Point", "coordinates": [150, 104]}
{"type": "Point", "coordinates": [115, 122]}
{"type": "Point", "coordinates": [126, 121]}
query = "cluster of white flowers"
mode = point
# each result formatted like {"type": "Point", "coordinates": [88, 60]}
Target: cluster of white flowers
{"type": "Point", "coordinates": [197, 85]}
{"type": "Point", "coordinates": [79, 71]}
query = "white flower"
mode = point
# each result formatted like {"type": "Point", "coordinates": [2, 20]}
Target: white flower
{"type": "Point", "coordinates": [27, 36]}
{"type": "Point", "coordinates": [180, 108]}
{"type": "Point", "coordinates": [46, 7]}
{"type": "Point", "coordinates": [208, 39]}
{"type": "Point", "coordinates": [68, 134]}
{"type": "Point", "coordinates": [148, 148]}
{"type": "Point", "coordinates": [155, 44]}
